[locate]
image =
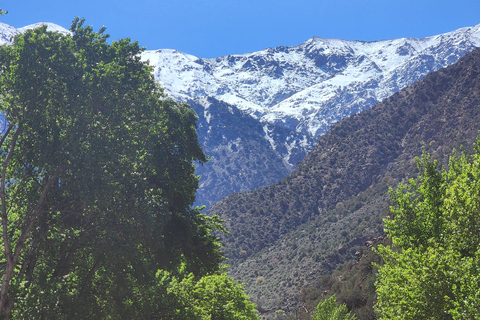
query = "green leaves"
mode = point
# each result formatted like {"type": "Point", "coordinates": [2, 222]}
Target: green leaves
{"type": "Point", "coordinates": [98, 180]}
{"type": "Point", "coordinates": [213, 297]}
{"type": "Point", "coordinates": [329, 310]}
{"type": "Point", "coordinates": [432, 271]}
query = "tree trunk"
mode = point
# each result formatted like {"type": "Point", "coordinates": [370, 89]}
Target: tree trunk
{"type": "Point", "coordinates": [6, 244]}
{"type": "Point", "coordinates": [12, 259]}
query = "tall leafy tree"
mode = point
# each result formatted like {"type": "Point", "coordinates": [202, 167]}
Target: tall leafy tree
{"type": "Point", "coordinates": [213, 297]}
{"type": "Point", "coordinates": [432, 271]}
{"type": "Point", "coordinates": [97, 180]}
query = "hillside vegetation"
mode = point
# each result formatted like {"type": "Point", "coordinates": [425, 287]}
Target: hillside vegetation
{"type": "Point", "coordinates": [286, 236]}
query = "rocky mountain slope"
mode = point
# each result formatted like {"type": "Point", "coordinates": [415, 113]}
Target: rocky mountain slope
{"type": "Point", "coordinates": [247, 161]}
{"type": "Point", "coordinates": [285, 236]}
{"type": "Point", "coordinates": [296, 93]}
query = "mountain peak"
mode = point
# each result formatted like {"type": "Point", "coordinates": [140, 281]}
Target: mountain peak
{"type": "Point", "coordinates": [50, 27]}
{"type": "Point", "coordinates": [8, 32]}
{"type": "Point", "coordinates": [310, 86]}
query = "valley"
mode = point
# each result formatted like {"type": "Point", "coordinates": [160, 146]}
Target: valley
{"type": "Point", "coordinates": [293, 232]}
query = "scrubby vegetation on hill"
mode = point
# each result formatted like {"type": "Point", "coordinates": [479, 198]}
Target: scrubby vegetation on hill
{"type": "Point", "coordinates": [293, 232]}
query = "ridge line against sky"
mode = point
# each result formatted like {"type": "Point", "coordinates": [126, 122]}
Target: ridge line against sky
{"type": "Point", "coordinates": [214, 28]}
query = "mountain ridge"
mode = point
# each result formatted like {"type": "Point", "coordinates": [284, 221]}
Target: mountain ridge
{"type": "Point", "coordinates": [8, 32]}
{"type": "Point", "coordinates": [284, 85]}
{"type": "Point", "coordinates": [291, 233]}
{"type": "Point", "coordinates": [296, 93]}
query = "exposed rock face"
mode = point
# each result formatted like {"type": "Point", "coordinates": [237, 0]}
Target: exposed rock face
{"type": "Point", "coordinates": [240, 156]}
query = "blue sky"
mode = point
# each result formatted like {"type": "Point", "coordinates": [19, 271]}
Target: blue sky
{"type": "Point", "coordinates": [213, 28]}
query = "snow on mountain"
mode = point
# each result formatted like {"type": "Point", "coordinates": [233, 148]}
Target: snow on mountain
{"type": "Point", "coordinates": [50, 27]}
{"type": "Point", "coordinates": [7, 32]}
{"type": "Point", "coordinates": [307, 88]}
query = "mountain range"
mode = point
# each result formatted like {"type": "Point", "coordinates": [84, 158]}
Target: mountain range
{"type": "Point", "coordinates": [290, 96]}
{"type": "Point", "coordinates": [274, 118]}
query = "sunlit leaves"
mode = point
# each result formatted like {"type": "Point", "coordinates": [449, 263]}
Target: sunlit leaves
{"type": "Point", "coordinates": [212, 297]}
{"type": "Point", "coordinates": [432, 271]}
{"type": "Point", "coordinates": [330, 310]}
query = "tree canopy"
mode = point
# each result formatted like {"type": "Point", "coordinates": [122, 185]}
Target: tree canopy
{"type": "Point", "coordinates": [432, 270]}
{"type": "Point", "coordinates": [213, 297]}
{"type": "Point", "coordinates": [97, 181]}
{"type": "Point", "coordinates": [330, 310]}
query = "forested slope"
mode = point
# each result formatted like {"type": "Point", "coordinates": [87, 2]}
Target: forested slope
{"type": "Point", "coordinates": [288, 234]}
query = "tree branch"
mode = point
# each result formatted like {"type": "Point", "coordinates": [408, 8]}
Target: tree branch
{"type": "Point", "coordinates": [5, 135]}
{"type": "Point", "coordinates": [90, 275]}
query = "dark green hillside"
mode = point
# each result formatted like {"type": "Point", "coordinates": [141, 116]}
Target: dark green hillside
{"type": "Point", "coordinates": [289, 234]}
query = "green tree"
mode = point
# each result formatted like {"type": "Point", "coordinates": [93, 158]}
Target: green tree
{"type": "Point", "coordinates": [212, 297]}
{"type": "Point", "coordinates": [97, 180]}
{"type": "Point", "coordinates": [330, 310]}
{"type": "Point", "coordinates": [432, 270]}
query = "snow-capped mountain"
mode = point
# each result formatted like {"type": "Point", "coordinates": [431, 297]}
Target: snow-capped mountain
{"type": "Point", "coordinates": [306, 88]}
{"type": "Point", "coordinates": [7, 32]}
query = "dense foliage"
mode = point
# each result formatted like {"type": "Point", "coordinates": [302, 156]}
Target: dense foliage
{"type": "Point", "coordinates": [353, 285]}
{"type": "Point", "coordinates": [432, 270]}
{"type": "Point", "coordinates": [213, 297]}
{"type": "Point", "coordinates": [330, 310]}
{"type": "Point", "coordinates": [97, 183]}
